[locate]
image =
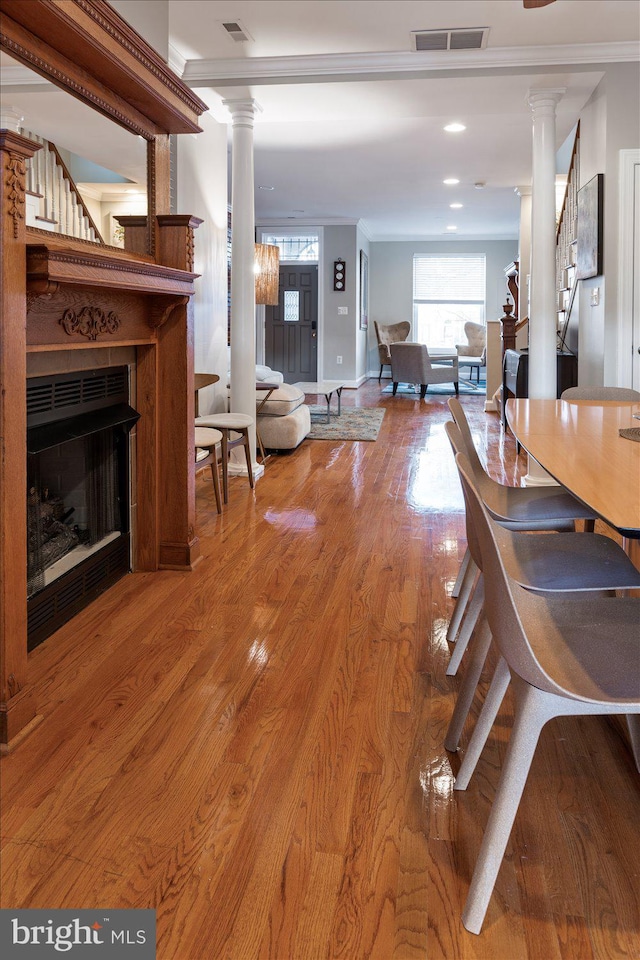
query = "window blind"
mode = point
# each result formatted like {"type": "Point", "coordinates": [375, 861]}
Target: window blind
{"type": "Point", "coordinates": [449, 279]}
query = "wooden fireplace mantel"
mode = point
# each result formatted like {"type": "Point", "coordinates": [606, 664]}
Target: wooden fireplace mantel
{"type": "Point", "coordinates": [67, 264]}
{"type": "Point", "coordinates": [63, 294]}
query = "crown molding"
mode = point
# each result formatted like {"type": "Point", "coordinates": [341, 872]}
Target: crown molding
{"type": "Point", "coordinates": [19, 76]}
{"type": "Point", "coordinates": [265, 70]}
{"type": "Point", "coordinates": [176, 61]}
{"type": "Point", "coordinates": [469, 238]}
{"type": "Point", "coordinates": [293, 222]}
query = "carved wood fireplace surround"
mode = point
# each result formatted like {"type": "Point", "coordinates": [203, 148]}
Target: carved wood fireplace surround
{"type": "Point", "coordinates": [61, 295]}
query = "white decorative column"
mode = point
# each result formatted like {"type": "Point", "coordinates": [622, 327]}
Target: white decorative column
{"type": "Point", "coordinates": [543, 320]}
{"type": "Point", "coordinates": [243, 297]}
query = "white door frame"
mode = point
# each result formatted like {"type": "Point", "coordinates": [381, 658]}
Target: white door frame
{"type": "Point", "coordinates": [628, 270]}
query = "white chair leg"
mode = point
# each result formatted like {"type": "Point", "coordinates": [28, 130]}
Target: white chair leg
{"type": "Point", "coordinates": [469, 686]}
{"type": "Point", "coordinates": [471, 617]}
{"type": "Point", "coordinates": [462, 601]}
{"type": "Point", "coordinates": [461, 572]}
{"type": "Point", "coordinates": [532, 712]}
{"type": "Point", "coordinates": [633, 723]}
{"type": "Point", "coordinates": [493, 700]}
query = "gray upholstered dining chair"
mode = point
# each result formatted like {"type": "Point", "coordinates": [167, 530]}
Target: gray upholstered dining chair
{"type": "Point", "coordinates": [386, 334]}
{"type": "Point", "coordinates": [559, 563]}
{"type": "Point", "coordinates": [411, 363]}
{"type": "Point", "coordinates": [602, 394]}
{"type": "Point", "coordinates": [565, 657]}
{"type": "Point", "coordinates": [518, 508]}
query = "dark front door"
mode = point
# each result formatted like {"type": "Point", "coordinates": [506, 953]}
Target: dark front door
{"type": "Point", "coordinates": [291, 332]}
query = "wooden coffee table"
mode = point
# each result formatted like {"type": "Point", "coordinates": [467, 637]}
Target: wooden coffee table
{"type": "Point", "coordinates": [325, 388]}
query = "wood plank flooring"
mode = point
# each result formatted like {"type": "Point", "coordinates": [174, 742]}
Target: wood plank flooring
{"type": "Point", "coordinates": [255, 749]}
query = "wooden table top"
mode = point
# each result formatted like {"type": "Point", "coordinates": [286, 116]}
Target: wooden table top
{"type": "Point", "coordinates": [579, 445]}
{"type": "Point", "coordinates": [205, 380]}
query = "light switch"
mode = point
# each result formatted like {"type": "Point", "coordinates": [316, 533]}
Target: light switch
{"type": "Point", "coordinates": [343, 311]}
{"type": "Point", "coordinates": [595, 296]}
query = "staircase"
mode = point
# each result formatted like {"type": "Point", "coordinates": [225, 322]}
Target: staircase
{"type": "Point", "coordinates": [53, 200]}
{"type": "Point", "coordinates": [566, 240]}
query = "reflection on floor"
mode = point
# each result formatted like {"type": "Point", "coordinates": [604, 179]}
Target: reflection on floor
{"type": "Point", "coordinates": [255, 749]}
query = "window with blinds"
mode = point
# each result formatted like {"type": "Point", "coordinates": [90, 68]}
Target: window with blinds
{"type": "Point", "coordinates": [447, 291]}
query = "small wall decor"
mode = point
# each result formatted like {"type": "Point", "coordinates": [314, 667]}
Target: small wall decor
{"type": "Point", "coordinates": [590, 229]}
{"type": "Point", "coordinates": [364, 290]}
{"type": "Point", "coordinates": [339, 281]}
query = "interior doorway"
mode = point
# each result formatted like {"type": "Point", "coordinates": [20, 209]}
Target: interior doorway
{"type": "Point", "coordinates": [291, 326]}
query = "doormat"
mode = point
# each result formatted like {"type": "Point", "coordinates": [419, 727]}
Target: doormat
{"type": "Point", "coordinates": [437, 389]}
{"type": "Point", "coordinates": [359, 423]}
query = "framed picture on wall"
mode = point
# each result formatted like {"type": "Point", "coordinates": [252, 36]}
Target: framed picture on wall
{"type": "Point", "coordinates": [589, 245]}
{"type": "Point", "coordinates": [364, 290]}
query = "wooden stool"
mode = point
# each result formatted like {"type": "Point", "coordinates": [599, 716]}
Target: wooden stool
{"type": "Point", "coordinates": [206, 443]}
{"type": "Point", "coordinates": [230, 423]}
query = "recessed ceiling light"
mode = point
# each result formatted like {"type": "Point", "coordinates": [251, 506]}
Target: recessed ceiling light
{"type": "Point", "coordinates": [456, 206]}
{"type": "Point", "coordinates": [455, 127]}
{"type": "Point", "coordinates": [451, 181]}
{"type": "Point", "coordinates": [452, 227]}
{"type": "Point", "coordinates": [266, 188]}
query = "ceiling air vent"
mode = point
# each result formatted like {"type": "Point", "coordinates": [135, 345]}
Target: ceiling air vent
{"type": "Point", "coordinates": [460, 39]}
{"type": "Point", "coordinates": [236, 31]}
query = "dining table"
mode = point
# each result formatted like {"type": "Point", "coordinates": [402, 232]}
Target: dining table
{"type": "Point", "coordinates": [579, 444]}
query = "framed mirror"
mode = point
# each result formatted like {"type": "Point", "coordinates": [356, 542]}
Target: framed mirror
{"type": "Point", "coordinates": [89, 171]}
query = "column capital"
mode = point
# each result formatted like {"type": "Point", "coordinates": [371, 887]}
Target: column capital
{"type": "Point", "coordinates": [541, 99]}
{"type": "Point", "coordinates": [242, 110]}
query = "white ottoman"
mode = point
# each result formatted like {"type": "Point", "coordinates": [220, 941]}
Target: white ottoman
{"type": "Point", "coordinates": [284, 419]}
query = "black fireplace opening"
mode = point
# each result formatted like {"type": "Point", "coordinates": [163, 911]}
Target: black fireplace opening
{"type": "Point", "coordinates": [78, 499]}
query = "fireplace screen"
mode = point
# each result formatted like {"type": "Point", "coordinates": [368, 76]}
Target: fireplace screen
{"type": "Point", "coordinates": [77, 492]}
{"type": "Point", "coordinates": [72, 506]}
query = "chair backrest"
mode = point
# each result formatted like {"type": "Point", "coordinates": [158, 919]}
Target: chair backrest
{"type": "Point", "coordinates": [458, 446]}
{"type": "Point", "coordinates": [386, 334]}
{"type": "Point", "coordinates": [409, 362]}
{"type": "Point", "coordinates": [470, 451]}
{"type": "Point", "coordinates": [476, 334]}
{"type": "Point", "coordinates": [623, 394]}
{"type": "Point", "coordinates": [504, 598]}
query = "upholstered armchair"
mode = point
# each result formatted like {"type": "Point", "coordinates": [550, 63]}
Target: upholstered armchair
{"type": "Point", "coordinates": [473, 353]}
{"type": "Point", "coordinates": [387, 334]}
{"type": "Point", "coordinates": [411, 363]}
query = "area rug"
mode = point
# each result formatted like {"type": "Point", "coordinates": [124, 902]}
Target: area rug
{"type": "Point", "coordinates": [359, 423]}
{"type": "Point", "coordinates": [437, 389]}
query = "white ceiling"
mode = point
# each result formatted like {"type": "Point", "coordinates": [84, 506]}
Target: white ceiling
{"type": "Point", "coordinates": [372, 147]}
{"type": "Point", "coordinates": [351, 119]}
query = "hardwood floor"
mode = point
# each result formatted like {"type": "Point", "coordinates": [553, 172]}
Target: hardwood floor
{"type": "Point", "coordinates": [255, 749]}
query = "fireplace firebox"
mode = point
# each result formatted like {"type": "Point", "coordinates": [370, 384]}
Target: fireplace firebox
{"type": "Point", "coordinates": [78, 492]}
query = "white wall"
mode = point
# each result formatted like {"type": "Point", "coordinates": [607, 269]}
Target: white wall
{"type": "Point", "coordinates": [609, 122]}
{"type": "Point", "coordinates": [391, 279]}
{"type": "Point", "coordinates": [202, 192]}
{"type": "Point", "coordinates": [339, 337]}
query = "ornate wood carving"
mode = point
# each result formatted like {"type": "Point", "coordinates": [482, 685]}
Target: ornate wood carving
{"type": "Point", "coordinates": [15, 190]}
{"type": "Point", "coordinates": [38, 289]}
{"type": "Point", "coordinates": [89, 322]}
{"type": "Point", "coordinates": [161, 310]}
